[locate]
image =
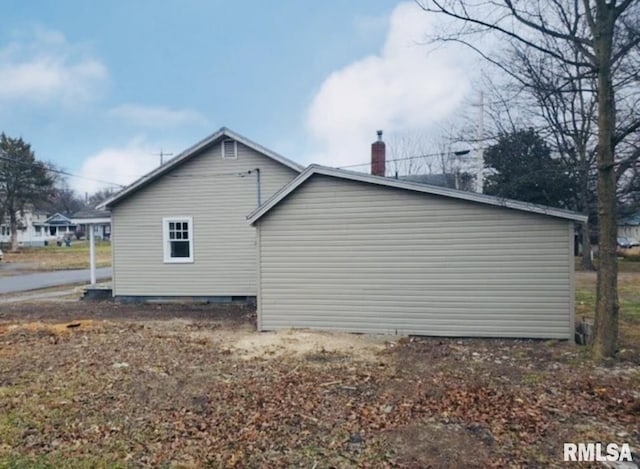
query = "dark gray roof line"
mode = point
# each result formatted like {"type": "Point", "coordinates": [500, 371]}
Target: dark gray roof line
{"type": "Point", "coordinates": [442, 180]}
{"type": "Point", "coordinates": [191, 152]}
{"type": "Point", "coordinates": [412, 186]}
{"type": "Point", "coordinates": [91, 213]}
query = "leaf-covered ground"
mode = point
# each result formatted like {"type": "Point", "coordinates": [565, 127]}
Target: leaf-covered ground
{"type": "Point", "coordinates": [147, 386]}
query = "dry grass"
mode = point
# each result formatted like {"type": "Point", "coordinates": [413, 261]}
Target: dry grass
{"type": "Point", "coordinates": [629, 298]}
{"type": "Point", "coordinates": [59, 257]}
{"type": "Point", "coordinates": [195, 386]}
{"type": "Point", "coordinates": [632, 254]}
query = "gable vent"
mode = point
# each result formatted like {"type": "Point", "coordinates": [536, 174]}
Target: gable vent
{"type": "Point", "coordinates": [230, 149]}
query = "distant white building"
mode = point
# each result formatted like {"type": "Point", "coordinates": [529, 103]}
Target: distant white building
{"type": "Point", "coordinates": [36, 228]}
{"type": "Point", "coordinates": [629, 227]}
{"type": "Point", "coordinates": [91, 219]}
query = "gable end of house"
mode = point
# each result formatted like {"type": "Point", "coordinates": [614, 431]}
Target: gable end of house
{"type": "Point", "coordinates": [229, 141]}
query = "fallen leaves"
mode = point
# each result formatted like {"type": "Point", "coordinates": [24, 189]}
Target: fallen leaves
{"type": "Point", "coordinates": [143, 394]}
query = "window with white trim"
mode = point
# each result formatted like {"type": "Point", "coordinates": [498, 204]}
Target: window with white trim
{"type": "Point", "coordinates": [178, 239]}
{"type": "Point", "coordinates": [230, 149]}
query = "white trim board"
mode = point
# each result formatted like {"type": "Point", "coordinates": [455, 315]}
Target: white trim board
{"type": "Point", "coordinates": [166, 249]}
{"type": "Point", "coordinates": [220, 135]}
{"type": "Point", "coordinates": [90, 221]}
{"type": "Point", "coordinates": [412, 186]}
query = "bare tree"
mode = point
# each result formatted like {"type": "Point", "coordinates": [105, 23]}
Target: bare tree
{"type": "Point", "coordinates": [606, 36]}
{"type": "Point", "coordinates": [101, 195]}
{"type": "Point", "coordinates": [407, 153]}
{"type": "Point", "coordinates": [419, 154]}
{"type": "Point", "coordinates": [63, 199]}
{"type": "Point", "coordinates": [560, 97]}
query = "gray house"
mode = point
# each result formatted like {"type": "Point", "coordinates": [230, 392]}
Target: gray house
{"type": "Point", "coordinates": [340, 250]}
{"type": "Point", "coordinates": [347, 251]}
{"type": "Point", "coordinates": [629, 227]}
{"type": "Point", "coordinates": [91, 219]}
{"type": "Point", "coordinates": [181, 230]}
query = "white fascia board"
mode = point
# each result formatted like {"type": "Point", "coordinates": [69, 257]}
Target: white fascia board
{"type": "Point", "coordinates": [417, 187]}
{"type": "Point", "coordinates": [281, 194]}
{"type": "Point", "coordinates": [55, 215]}
{"type": "Point", "coordinates": [194, 149]}
{"type": "Point", "coordinates": [90, 221]}
{"type": "Point", "coordinates": [260, 149]}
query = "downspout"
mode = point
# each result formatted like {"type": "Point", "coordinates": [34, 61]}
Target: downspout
{"type": "Point", "coordinates": [257, 170]}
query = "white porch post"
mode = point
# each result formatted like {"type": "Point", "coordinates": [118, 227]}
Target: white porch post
{"type": "Point", "coordinates": [92, 255]}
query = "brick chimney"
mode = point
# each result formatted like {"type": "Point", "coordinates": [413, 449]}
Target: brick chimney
{"type": "Point", "coordinates": [378, 155]}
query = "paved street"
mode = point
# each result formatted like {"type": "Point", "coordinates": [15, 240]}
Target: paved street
{"type": "Point", "coordinates": [33, 281]}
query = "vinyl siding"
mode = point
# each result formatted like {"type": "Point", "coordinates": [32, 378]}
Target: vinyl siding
{"type": "Point", "coordinates": [629, 232]}
{"type": "Point", "coordinates": [351, 256]}
{"type": "Point", "coordinates": [211, 190]}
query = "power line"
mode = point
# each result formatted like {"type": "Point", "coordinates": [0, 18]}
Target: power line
{"type": "Point", "coordinates": [426, 155]}
{"type": "Point", "coordinates": [162, 154]}
{"type": "Point", "coordinates": [58, 171]}
{"type": "Point", "coordinates": [209, 175]}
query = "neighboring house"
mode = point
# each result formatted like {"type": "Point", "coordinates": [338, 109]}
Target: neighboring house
{"type": "Point", "coordinates": [629, 227]}
{"type": "Point", "coordinates": [460, 180]}
{"type": "Point", "coordinates": [91, 218]}
{"type": "Point", "coordinates": [348, 251]}
{"type": "Point", "coordinates": [35, 228]}
{"type": "Point", "coordinates": [181, 230]}
{"type": "Point", "coordinates": [441, 180]}
{"type": "Point", "coordinates": [30, 229]}
{"type": "Point", "coordinates": [59, 226]}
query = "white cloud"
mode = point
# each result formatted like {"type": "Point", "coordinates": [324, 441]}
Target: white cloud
{"type": "Point", "coordinates": [405, 87]}
{"type": "Point", "coordinates": [41, 67]}
{"type": "Point", "coordinates": [157, 116]}
{"type": "Point", "coordinates": [121, 165]}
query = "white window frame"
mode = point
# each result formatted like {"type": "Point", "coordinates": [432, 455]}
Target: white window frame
{"type": "Point", "coordinates": [166, 242]}
{"type": "Point", "coordinates": [235, 150]}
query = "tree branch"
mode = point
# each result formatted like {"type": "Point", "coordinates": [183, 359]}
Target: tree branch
{"type": "Point", "coordinates": [495, 27]}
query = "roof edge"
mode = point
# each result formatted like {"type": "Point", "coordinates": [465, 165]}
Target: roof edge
{"type": "Point", "coordinates": [91, 221]}
{"type": "Point", "coordinates": [56, 214]}
{"type": "Point", "coordinates": [190, 152]}
{"type": "Point", "coordinates": [254, 216]}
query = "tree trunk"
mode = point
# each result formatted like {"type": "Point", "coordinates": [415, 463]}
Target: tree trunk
{"type": "Point", "coordinates": [13, 226]}
{"type": "Point", "coordinates": [586, 246]}
{"type": "Point", "coordinates": [605, 341]}
{"type": "Point", "coordinates": [583, 204]}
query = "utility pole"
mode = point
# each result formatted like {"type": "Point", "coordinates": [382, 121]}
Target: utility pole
{"type": "Point", "coordinates": [480, 162]}
{"type": "Point", "coordinates": [162, 155]}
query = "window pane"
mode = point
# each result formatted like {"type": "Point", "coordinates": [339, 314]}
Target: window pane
{"type": "Point", "coordinates": [179, 248]}
{"type": "Point", "coordinates": [172, 225]}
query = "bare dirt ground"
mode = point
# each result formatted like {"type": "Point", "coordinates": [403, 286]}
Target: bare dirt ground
{"type": "Point", "coordinates": [104, 385]}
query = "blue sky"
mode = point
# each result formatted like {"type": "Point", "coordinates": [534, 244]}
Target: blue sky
{"type": "Point", "coordinates": [99, 87]}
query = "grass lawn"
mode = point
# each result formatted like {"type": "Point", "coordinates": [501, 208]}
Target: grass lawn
{"type": "Point", "coordinates": [60, 257]}
{"type": "Point", "coordinates": [629, 298]}
{"type": "Point", "coordinates": [195, 385]}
